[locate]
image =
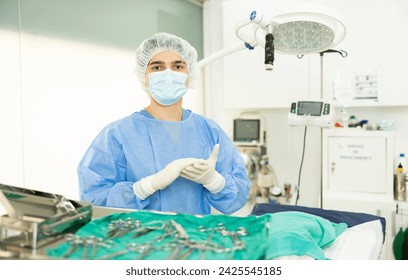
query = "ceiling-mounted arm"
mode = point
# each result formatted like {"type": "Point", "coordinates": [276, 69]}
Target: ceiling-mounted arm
{"type": "Point", "coordinates": [249, 42]}
{"type": "Point", "coordinates": [257, 21]}
{"type": "Point", "coordinates": [219, 54]}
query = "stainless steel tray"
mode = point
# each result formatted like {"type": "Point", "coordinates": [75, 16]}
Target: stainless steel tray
{"type": "Point", "coordinates": [35, 218]}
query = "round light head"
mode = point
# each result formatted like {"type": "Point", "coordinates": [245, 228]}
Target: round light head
{"type": "Point", "coordinates": [307, 31]}
{"type": "Point", "coordinates": [300, 37]}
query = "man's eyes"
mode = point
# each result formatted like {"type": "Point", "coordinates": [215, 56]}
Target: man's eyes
{"type": "Point", "coordinates": [177, 67]}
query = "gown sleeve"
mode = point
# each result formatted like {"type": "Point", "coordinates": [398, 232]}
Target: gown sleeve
{"type": "Point", "coordinates": [102, 174]}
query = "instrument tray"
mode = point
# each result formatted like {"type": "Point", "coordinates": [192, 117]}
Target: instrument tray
{"type": "Point", "coordinates": [36, 218]}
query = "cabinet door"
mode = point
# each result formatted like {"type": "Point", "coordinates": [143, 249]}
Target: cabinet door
{"type": "Point", "coordinates": [357, 164]}
{"type": "Point", "coordinates": [356, 204]}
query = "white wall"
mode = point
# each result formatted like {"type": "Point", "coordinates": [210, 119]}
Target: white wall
{"type": "Point", "coordinates": [70, 91]}
{"type": "Point", "coordinates": [62, 81]}
{"type": "Point", "coordinates": [11, 167]}
{"type": "Point", "coordinates": [374, 42]}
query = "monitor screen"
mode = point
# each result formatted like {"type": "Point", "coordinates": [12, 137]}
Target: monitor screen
{"type": "Point", "coordinates": [246, 130]}
{"type": "Point", "coordinates": [309, 108]}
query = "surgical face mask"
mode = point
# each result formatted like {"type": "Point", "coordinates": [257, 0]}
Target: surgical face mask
{"type": "Point", "coordinates": [167, 87]}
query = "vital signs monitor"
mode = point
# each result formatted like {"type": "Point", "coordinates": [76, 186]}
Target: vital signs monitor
{"type": "Point", "coordinates": [311, 113]}
{"type": "Point", "coordinates": [249, 130]}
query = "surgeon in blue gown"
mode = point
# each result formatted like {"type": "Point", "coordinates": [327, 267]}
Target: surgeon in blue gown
{"type": "Point", "coordinates": [164, 157]}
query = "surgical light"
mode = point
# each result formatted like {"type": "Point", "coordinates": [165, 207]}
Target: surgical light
{"type": "Point", "coordinates": [302, 36]}
{"type": "Point", "coordinates": [304, 30]}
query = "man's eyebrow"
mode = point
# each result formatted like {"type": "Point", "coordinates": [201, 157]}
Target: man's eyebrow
{"type": "Point", "coordinates": [156, 62]}
{"type": "Point", "coordinates": [159, 62]}
{"type": "Point", "coordinates": [178, 61]}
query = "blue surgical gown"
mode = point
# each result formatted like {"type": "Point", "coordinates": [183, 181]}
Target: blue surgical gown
{"type": "Point", "coordinates": [138, 145]}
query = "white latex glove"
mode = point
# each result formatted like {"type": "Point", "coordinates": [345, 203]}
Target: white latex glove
{"type": "Point", "coordinates": [150, 184]}
{"type": "Point", "coordinates": [203, 172]}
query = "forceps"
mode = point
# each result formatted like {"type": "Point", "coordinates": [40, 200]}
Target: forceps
{"type": "Point", "coordinates": [75, 241]}
{"type": "Point", "coordinates": [93, 242]}
{"type": "Point", "coordinates": [119, 227]}
{"type": "Point", "coordinates": [235, 235]}
{"type": "Point", "coordinates": [182, 242]}
{"type": "Point", "coordinates": [148, 227]}
{"type": "Point", "coordinates": [144, 250]}
{"type": "Point", "coordinates": [130, 248]}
